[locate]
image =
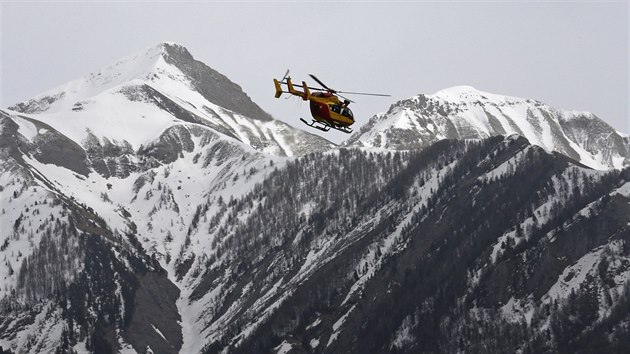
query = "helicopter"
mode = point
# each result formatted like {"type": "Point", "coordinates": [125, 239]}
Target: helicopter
{"type": "Point", "coordinates": [328, 111]}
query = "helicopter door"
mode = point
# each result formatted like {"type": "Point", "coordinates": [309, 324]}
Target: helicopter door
{"type": "Point", "coordinates": [339, 109]}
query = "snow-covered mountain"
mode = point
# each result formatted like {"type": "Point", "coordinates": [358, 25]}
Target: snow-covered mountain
{"type": "Point", "coordinates": [152, 207]}
{"type": "Point", "coordinates": [464, 112]}
{"type": "Point", "coordinates": [78, 160]}
{"type": "Point", "coordinates": [138, 98]}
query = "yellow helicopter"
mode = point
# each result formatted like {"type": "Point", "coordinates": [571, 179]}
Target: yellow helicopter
{"type": "Point", "coordinates": [327, 109]}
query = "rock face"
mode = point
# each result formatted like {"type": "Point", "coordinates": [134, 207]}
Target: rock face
{"type": "Point", "coordinates": [466, 113]}
{"type": "Point", "coordinates": [212, 85]}
{"type": "Point", "coordinates": [139, 215]}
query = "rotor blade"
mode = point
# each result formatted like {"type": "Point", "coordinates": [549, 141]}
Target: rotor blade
{"type": "Point", "coordinates": [345, 98]}
{"type": "Point", "coordinates": [347, 92]}
{"type": "Point", "coordinates": [321, 83]}
{"type": "Point", "coordinates": [302, 86]}
{"type": "Point", "coordinates": [311, 88]}
{"type": "Point", "coordinates": [364, 93]}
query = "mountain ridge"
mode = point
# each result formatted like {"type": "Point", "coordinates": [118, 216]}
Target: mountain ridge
{"type": "Point", "coordinates": [147, 65]}
{"type": "Point", "coordinates": [463, 112]}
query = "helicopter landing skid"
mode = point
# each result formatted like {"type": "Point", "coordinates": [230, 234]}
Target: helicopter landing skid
{"type": "Point", "coordinates": [326, 127]}
{"type": "Point", "coordinates": [314, 124]}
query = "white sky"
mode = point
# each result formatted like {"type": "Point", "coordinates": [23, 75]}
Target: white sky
{"type": "Point", "coordinates": [567, 54]}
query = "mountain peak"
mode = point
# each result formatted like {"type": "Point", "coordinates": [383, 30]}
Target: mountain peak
{"type": "Point", "coordinates": [138, 66]}
{"type": "Point", "coordinates": [161, 49]}
{"type": "Point", "coordinates": [467, 93]}
{"type": "Point", "coordinates": [457, 90]}
{"type": "Point", "coordinates": [170, 44]}
{"type": "Point", "coordinates": [139, 98]}
{"type": "Point", "coordinates": [165, 65]}
{"type": "Point", "coordinates": [174, 49]}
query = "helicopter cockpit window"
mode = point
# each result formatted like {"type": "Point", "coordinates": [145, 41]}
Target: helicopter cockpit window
{"type": "Point", "coordinates": [336, 109]}
{"type": "Point", "coordinates": [348, 113]}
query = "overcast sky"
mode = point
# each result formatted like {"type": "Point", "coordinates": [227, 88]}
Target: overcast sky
{"type": "Point", "coordinates": [570, 55]}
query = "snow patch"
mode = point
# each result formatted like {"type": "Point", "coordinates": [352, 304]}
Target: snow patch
{"type": "Point", "coordinates": [518, 309]}
{"type": "Point", "coordinates": [403, 335]}
{"type": "Point", "coordinates": [573, 276]}
{"type": "Point", "coordinates": [283, 348]}
{"type": "Point", "coordinates": [337, 325]}
{"type": "Point", "coordinates": [623, 190]}
{"type": "Point", "coordinates": [314, 324]}
{"type": "Point", "coordinates": [26, 128]}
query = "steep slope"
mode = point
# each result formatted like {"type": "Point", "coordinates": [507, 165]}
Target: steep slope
{"type": "Point", "coordinates": [369, 254]}
{"type": "Point", "coordinates": [70, 281]}
{"type": "Point", "coordinates": [466, 113]}
{"type": "Point", "coordinates": [135, 99]}
{"type": "Point", "coordinates": [361, 246]}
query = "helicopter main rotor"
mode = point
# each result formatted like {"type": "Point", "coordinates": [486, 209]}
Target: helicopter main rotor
{"type": "Point", "coordinates": [333, 91]}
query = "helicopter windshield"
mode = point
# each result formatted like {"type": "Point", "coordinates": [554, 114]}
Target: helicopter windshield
{"type": "Point", "coordinates": [344, 111]}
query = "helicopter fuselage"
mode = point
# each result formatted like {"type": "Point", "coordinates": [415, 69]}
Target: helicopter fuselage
{"type": "Point", "coordinates": [325, 106]}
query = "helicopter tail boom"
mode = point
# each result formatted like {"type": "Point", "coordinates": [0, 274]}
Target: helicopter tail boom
{"type": "Point", "coordinates": [305, 94]}
{"type": "Point", "coordinates": [278, 88]}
